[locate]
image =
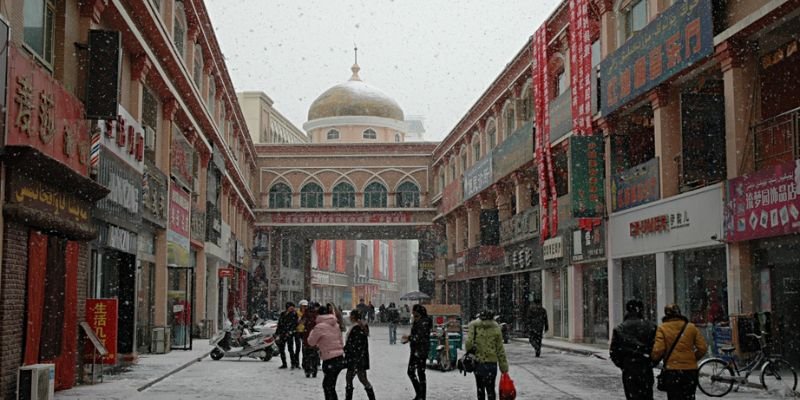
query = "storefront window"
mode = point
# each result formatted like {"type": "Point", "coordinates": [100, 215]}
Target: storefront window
{"type": "Point", "coordinates": [595, 303]}
{"type": "Point", "coordinates": [701, 285]}
{"type": "Point", "coordinates": [639, 283]}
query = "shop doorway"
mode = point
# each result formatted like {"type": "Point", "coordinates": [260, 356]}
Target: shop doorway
{"type": "Point", "coordinates": [639, 283]}
{"type": "Point", "coordinates": [506, 299]}
{"type": "Point", "coordinates": [560, 303]}
{"type": "Point", "coordinates": [115, 277]}
{"type": "Point", "coordinates": [145, 311]}
{"type": "Point", "coordinates": [180, 302]}
{"type": "Point", "coordinates": [786, 300]}
{"type": "Point", "coordinates": [595, 304]}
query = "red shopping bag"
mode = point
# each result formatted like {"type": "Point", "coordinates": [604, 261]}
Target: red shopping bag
{"type": "Point", "coordinates": [507, 389]}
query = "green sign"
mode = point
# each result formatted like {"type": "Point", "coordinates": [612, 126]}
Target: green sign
{"type": "Point", "coordinates": [588, 173]}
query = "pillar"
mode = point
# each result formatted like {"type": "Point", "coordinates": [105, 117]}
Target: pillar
{"type": "Point", "coordinates": [608, 27]}
{"type": "Point", "coordinates": [164, 141]}
{"type": "Point", "coordinates": [547, 299]}
{"type": "Point", "coordinates": [450, 236]}
{"type": "Point", "coordinates": [575, 294]}
{"type": "Point", "coordinates": [522, 191]}
{"type": "Point", "coordinates": [200, 293]}
{"type": "Point", "coordinates": [740, 76]}
{"type": "Point", "coordinates": [665, 282]}
{"type": "Point", "coordinates": [667, 130]}
{"type": "Point", "coordinates": [616, 307]}
{"type": "Point", "coordinates": [503, 202]}
{"type": "Point", "coordinates": [460, 230]}
{"type": "Point", "coordinates": [473, 224]}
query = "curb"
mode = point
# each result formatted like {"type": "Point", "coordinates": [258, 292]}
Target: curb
{"type": "Point", "coordinates": [584, 352]}
{"type": "Point", "coordinates": [173, 372]}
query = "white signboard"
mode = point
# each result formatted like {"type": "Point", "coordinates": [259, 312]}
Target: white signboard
{"type": "Point", "coordinates": [125, 137]}
{"type": "Point", "coordinates": [553, 248]}
{"type": "Point", "coordinates": [686, 221]}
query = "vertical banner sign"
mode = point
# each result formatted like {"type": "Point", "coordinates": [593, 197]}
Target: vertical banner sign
{"type": "Point", "coordinates": [102, 316]}
{"type": "Point", "coordinates": [588, 172]}
{"type": "Point", "coordinates": [179, 227]}
{"type": "Point", "coordinates": [548, 198]}
{"type": "Point", "coordinates": [580, 66]}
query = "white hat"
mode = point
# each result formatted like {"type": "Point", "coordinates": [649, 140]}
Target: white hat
{"type": "Point", "coordinates": [303, 303]}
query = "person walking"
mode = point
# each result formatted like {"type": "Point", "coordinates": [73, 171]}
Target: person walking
{"type": "Point", "coordinates": [338, 314]}
{"type": "Point", "coordinates": [419, 341]}
{"type": "Point", "coordinates": [285, 332]}
{"type": "Point", "coordinates": [486, 338]}
{"type": "Point", "coordinates": [679, 344]}
{"type": "Point", "coordinates": [310, 362]}
{"type": "Point", "coordinates": [299, 331]}
{"type": "Point", "coordinates": [393, 318]}
{"type": "Point", "coordinates": [537, 325]}
{"type": "Point", "coordinates": [362, 307]}
{"type": "Point", "coordinates": [382, 313]}
{"type": "Point", "coordinates": [328, 338]}
{"type": "Point", "coordinates": [631, 345]}
{"type": "Point", "coordinates": [356, 353]}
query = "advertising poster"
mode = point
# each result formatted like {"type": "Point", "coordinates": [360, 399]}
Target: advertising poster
{"type": "Point", "coordinates": [102, 316]}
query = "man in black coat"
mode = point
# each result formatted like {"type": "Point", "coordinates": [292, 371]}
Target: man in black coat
{"type": "Point", "coordinates": [630, 348]}
{"type": "Point", "coordinates": [536, 320]}
{"type": "Point", "coordinates": [287, 328]}
{"type": "Point", "coordinates": [356, 352]}
{"type": "Point", "coordinates": [420, 344]}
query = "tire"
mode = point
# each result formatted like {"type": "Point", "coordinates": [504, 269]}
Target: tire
{"type": "Point", "coordinates": [217, 354]}
{"type": "Point", "coordinates": [710, 371]}
{"type": "Point", "coordinates": [267, 357]}
{"type": "Point", "coordinates": [779, 375]}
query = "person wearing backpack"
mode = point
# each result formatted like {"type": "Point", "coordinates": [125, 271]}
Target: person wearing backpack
{"type": "Point", "coordinates": [631, 345]}
{"type": "Point", "coordinates": [486, 338]}
{"type": "Point", "coordinates": [680, 345]}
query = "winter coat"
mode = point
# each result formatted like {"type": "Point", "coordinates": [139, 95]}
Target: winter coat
{"type": "Point", "coordinates": [356, 350]}
{"type": "Point", "coordinates": [393, 315]}
{"type": "Point", "coordinates": [287, 324]}
{"type": "Point", "coordinates": [536, 320]}
{"type": "Point", "coordinates": [486, 338]}
{"type": "Point", "coordinates": [420, 337]}
{"type": "Point", "coordinates": [327, 337]}
{"type": "Point", "coordinates": [301, 325]}
{"type": "Point", "coordinates": [309, 320]}
{"type": "Point", "coordinates": [691, 347]}
{"type": "Point", "coordinates": [363, 309]}
{"type": "Point", "coordinates": [632, 343]}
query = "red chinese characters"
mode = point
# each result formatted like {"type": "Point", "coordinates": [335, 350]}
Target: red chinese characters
{"type": "Point", "coordinates": [101, 314]}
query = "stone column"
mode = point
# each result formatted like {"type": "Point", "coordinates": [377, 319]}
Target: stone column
{"type": "Point", "coordinates": [522, 190]}
{"type": "Point", "coordinates": [665, 282]}
{"type": "Point", "coordinates": [547, 299]}
{"type": "Point", "coordinates": [503, 202]}
{"type": "Point", "coordinates": [575, 284]}
{"type": "Point", "coordinates": [200, 294]}
{"type": "Point", "coordinates": [608, 27]}
{"type": "Point", "coordinates": [615, 293]}
{"type": "Point", "coordinates": [667, 130]}
{"type": "Point", "coordinates": [164, 142]}
{"type": "Point", "coordinates": [473, 224]}
{"type": "Point", "coordinates": [450, 236]}
{"type": "Point", "coordinates": [740, 76]}
{"type": "Point", "coordinates": [460, 229]}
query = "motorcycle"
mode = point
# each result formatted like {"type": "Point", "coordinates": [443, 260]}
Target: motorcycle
{"type": "Point", "coordinates": [239, 341]}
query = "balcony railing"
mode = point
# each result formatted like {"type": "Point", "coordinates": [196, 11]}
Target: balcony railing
{"type": "Point", "coordinates": [777, 139]}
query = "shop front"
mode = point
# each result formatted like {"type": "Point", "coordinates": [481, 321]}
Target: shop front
{"type": "Point", "coordinates": [47, 222]}
{"type": "Point", "coordinates": [556, 288]}
{"type": "Point", "coordinates": [669, 251]}
{"type": "Point", "coordinates": [591, 268]}
{"type": "Point", "coordinates": [521, 284]}
{"type": "Point", "coordinates": [180, 273]}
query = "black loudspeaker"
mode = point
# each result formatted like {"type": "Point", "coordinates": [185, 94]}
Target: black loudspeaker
{"type": "Point", "coordinates": [102, 80]}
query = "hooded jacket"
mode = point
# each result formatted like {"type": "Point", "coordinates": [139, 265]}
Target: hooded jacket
{"type": "Point", "coordinates": [487, 339]}
{"type": "Point", "coordinates": [536, 320]}
{"type": "Point", "coordinates": [327, 337]}
{"type": "Point", "coordinates": [691, 347]}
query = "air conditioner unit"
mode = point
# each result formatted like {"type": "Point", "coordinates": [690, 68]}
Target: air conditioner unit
{"type": "Point", "coordinates": [36, 382]}
{"type": "Point", "coordinates": [159, 341]}
{"type": "Point", "coordinates": [149, 138]}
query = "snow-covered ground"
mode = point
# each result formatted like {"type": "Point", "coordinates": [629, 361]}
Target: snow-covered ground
{"type": "Point", "coordinates": [557, 375]}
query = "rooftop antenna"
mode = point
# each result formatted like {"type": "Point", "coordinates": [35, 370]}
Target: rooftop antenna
{"type": "Point", "coordinates": [355, 68]}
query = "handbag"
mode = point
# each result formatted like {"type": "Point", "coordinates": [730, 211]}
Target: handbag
{"type": "Point", "coordinates": [507, 390]}
{"type": "Point", "coordinates": [468, 362]}
{"type": "Point", "coordinates": [663, 383]}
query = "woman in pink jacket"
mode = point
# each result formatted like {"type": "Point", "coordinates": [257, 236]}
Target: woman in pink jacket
{"type": "Point", "coordinates": [328, 338]}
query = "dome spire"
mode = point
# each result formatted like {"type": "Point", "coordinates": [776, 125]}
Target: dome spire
{"type": "Point", "coordinates": [355, 68]}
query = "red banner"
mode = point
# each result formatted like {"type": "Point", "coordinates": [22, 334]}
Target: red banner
{"type": "Point", "coordinates": [344, 217]}
{"type": "Point", "coordinates": [44, 115]}
{"type": "Point", "coordinates": [764, 203]}
{"type": "Point", "coordinates": [102, 316]}
{"type": "Point", "coordinates": [548, 197]}
{"type": "Point", "coordinates": [580, 66]}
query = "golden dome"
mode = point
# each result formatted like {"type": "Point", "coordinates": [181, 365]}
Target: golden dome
{"type": "Point", "coordinates": [354, 98]}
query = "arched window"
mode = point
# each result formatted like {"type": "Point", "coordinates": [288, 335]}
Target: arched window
{"type": "Point", "coordinates": [561, 82]}
{"type": "Point", "coordinates": [370, 134]}
{"type": "Point", "coordinates": [408, 195]}
{"type": "Point", "coordinates": [511, 119]}
{"type": "Point", "coordinates": [634, 17]}
{"type": "Point", "coordinates": [333, 134]}
{"type": "Point", "coordinates": [179, 28]}
{"type": "Point", "coordinates": [375, 196]}
{"type": "Point", "coordinates": [397, 138]}
{"type": "Point", "coordinates": [491, 136]}
{"type": "Point", "coordinates": [464, 164]}
{"type": "Point", "coordinates": [476, 148]}
{"type": "Point", "coordinates": [311, 196]}
{"type": "Point", "coordinates": [212, 95]}
{"type": "Point", "coordinates": [344, 196]}
{"type": "Point", "coordinates": [198, 66]}
{"type": "Point", "coordinates": [527, 103]}
{"type": "Point", "coordinates": [280, 196]}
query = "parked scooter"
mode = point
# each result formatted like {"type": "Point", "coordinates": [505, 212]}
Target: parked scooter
{"type": "Point", "coordinates": [238, 341]}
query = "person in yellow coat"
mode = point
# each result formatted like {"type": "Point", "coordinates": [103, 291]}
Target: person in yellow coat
{"type": "Point", "coordinates": [680, 366]}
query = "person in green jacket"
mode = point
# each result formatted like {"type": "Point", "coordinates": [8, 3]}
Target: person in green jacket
{"type": "Point", "coordinates": [485, 338]}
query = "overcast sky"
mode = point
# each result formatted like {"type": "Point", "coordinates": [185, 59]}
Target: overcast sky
{"type": "Point", "coordinates": [433, 57]}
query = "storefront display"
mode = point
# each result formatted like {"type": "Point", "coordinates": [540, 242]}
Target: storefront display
{"type": "Point", "coordinates": [639, 283]}
{"type": "Point", "coordinates": [595, 303]}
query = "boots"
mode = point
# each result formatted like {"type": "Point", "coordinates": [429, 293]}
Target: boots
{"type": "Point", "coordinates": [370, 393]}
{"type": "Point", "coordinates": [348, 393]}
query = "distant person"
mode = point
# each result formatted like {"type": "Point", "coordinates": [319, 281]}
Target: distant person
{"type": "Point", "coordinates": [356, 353]}
{"type": "Point", "coordinates": [328, 338]}
{"type": "Point", "coordinates": [680, 366]}
{"type": "Point", "coordinates": [382, 313]}
{"type": "Point", "coordinates": [486, 337]}
{"type": "Point", "coordinates": [310, 361]}
{"type": "Point", "coordinates": [371, 312]}
{"type": "Point", "coordinates": [631, 345]}
{"type": "Point", "coordinates": [393, 318]}
{"type": "Point", "coordinates": [298, 337]}
{"type": "Point", "coordinates": [419, 343]}
{"type": "Point", "coordinates": [362, 307]}
{"type": "Point", "coordinates": [537, 324]}
{"type": "Point", "coordinates": [287, 327]}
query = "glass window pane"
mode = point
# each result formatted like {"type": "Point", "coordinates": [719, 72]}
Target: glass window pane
{"type": "Point", "coordinates": [639, 15]}
{"type": "Point", "coordinates": [33, 14]}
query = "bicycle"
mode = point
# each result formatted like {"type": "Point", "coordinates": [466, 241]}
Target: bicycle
{"type": "Point", "coordinates": [719, 375]}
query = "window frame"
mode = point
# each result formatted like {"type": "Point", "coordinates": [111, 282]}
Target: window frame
{"type": "Point", "coordinates": [312, 199]}
{"type": "Point", "coordinates": [197, 70]}
{"type": "Point", "coordinates": [491, 136]}
{"type": "Point", "coordinates": [370, 134]}
{"type": "Point", "coordinates": [401, 194]}
{"type": "Point", "coordinates": [337, 135]}
{"type": "Point", "coordinates": [343, 198]}
{"type": "Point", "coordinates": [285, 200]}
{"type": "Point", "coordinates": [370, 192]}
{"type": "Point", "coordinates": [628, 15]}
{"type": "Point", "coordinates": [48, 24]}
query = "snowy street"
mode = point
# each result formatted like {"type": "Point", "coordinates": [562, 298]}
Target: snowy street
{"type": "Point", "coordinates": [557, 375]}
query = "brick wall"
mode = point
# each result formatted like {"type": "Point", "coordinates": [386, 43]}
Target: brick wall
{"type": "Point", "coordinates": [13, 293]}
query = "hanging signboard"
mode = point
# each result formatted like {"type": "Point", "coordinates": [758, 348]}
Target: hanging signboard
{"type": "Point", "coordinates": [680, 36]}
{"type": "Point", "coordinates": [478, 177]}
{"type": "Point", "coordinates": [589, 242]}
{"type": "Point", "coordinates": [102, 316]}
{"type": "Point", "coordinates": [154, 195]}
{"type": "Point", "coordinates": [122, 205]}
{"type": "Point", "coordinates": [451, 197]}
{"type": "Point", "coordinates": [513, 153]}
{"type": "Point", "coordinates": [181, 157]}
{"type": "Point", "coordinates": [636, 186]}
{"type": "Point", "coordinates": [764, 203]}
{"type": "Point", "coordinates": [587, 177]}
{"type": "Point", "coordinates": [123, 136]}
{"type": "Point", "coordinates": [179, 227]}
{"type": "Point", "coordinates": [553, 248]}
